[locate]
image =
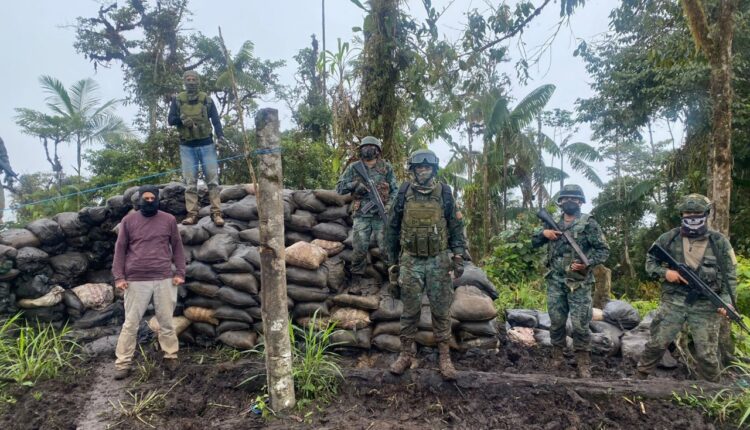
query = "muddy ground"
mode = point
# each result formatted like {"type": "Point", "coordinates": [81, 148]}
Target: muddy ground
{"type": "Point", "coordinates": [509, 389]}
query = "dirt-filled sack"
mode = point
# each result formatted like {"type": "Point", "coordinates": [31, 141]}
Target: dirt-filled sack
{"type": "Point", "coordinates": [233, 192]}
{"type": "Point", "coordinates": [73, 304]}
{"type": "Point", "coordinates": [313, 278]}
{"type": "Point", "coordinates": [331, 248]}
{"type": "Point", "coordinates": [475, 276]}
{"type": "Point", "coordinates": [192, 234]}
{"type": "Point", "coordinates": [236, 298]}
{"type": "Point", "coordinates": [69, 265]}
{"type": "Point", "coordinates": [251, 254]}
{"type": "Point", "coordinates": [480, 329]}
{"type": "Point", "coordinates": [352, 338]}
{"type": "Point", "coordinates": [308, 309]}
{"type": "Point", "coordinates": [369, 303]}
{"type": "Point", "coordinates": [321, 323]}
{"type": "Point", "coordinates": [244, 210]}
{"type": "Point", "coordinates": [50, 299]}
{"type": "Point", "coordinates": [522, 317]}
{"type": "Point", "coordinates": [242, 340]}
{"type": "Point", "coordinates": [351, 318]}
{"type": "Point", "coordinates": [389, 309]}
{"type": "Point", "coordinates": [234, 265]}
{"type": "Point", "coordinates": [179, 324]}
{"type": "Point", "coordinates": [306, 200]}
{"type": "Point", "coordinates": [633, 344]}
{"type": "Point", "coordinates": [336, 273]}
{"type": "Point", "coordinates": [216, 249]}
{"type": "Point", "coordinates": [70, 224]}
{"type": "Point", "coordinates": [471, 304]}
{"type": "Point", "coordinates": [234, 314]}
{"type": "Point", "coordinates": [95, 296]}
{"type": "Point", "coordinates": [330, 231]}
{"type": "Point", "coordinates": [94, 215]}
{"type": "Point", "coordinates": [622, 314]}
{"type": "Point", "coordinates": [387, 327]}
{"type": "Point", "coordinates": [201, 272]}
{"type": "Point", "coordinates": [301, 221]}
{"type": "Point", "coordinates": [204, 329]}
{"type": "Point", "coordinates": [602, 344]}
{"type": "Point", "coordinates": [204, 302]}
{"type": "Point", "coordinates": [230, 325]}
{"type": "Point", "coordinates": [387, 342]}
{"type": "Point", "coordinates": [19, 238]}
{"type": "Point", "coordinates": [305, 255]}
{"type": "Point", "coordinates": [99, 317]}
{"type": "Point", "coordinates": [240, 281]}
{"type": "Point", "coordinates": [597, 314]}
{"type": "Point", "coordinates": [251, 235]}
{"type": "Point", "coordinates": [331, 197]}
{"type": "Point", "coordinates": [30, 259]}
{"type": "Point", "coordinates": [201, 315]}
{"type": "Point", "coordinates": [478, 343]}
{"type": "Point", "coordinates": [292, 237]}
{"type": "Point", "coordinates": [48, 231]}
{"type": "Point", "coordinates": [543, 338]}
{"type": "Point", "coordinates": [307, 294]}
{"type": "Point", "coordinates": [427, 338]}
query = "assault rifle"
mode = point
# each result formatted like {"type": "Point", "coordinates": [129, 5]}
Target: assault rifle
{"type": "Point", "coordinates": [376, 201]}
{"type": "Point", "coordinates": [549, 222]}
{"type": "Point", "coordinates": [697, 287]}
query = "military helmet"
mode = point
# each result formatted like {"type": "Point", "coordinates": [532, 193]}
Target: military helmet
{"type": "Point", "coordinates": [571, 190]}
{"type": "Point", "coordinates": [694, 203]}
{"type": "Point", "coordinates": [423, 156]}
{"type": "Point", "coordinates": [370, 140]}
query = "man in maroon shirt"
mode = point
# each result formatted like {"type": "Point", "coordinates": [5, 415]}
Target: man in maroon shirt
{"type": "Point", "coordinates": [147, 244]}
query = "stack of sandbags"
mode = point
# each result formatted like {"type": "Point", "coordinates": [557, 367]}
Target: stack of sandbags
{"type": "Point", "coordinates": [475, 314]}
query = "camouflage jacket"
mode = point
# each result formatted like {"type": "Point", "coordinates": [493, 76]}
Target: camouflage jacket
{"type": "Point", "coordinates": [586, 231]}
{"type": "Point", "coordinates": [454, 220]}
{"type": "Point", "coordinates": [384, 179]}
{"type": "Point", "coordinates": [718, 267]}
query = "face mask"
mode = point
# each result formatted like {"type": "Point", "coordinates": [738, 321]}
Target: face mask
{"type": "Point", "coordinates": [694, 225]}
{"type": "Point", "coordinates": [423, 177]}
{"type": "Point", "coordinates": [571, 208]}
{"type": "Point", "coordinates": [369, 153]}
{"type": "Point", "coordinates": [148, 209]}
{"type": "Point", "coordinates": [191, 88]}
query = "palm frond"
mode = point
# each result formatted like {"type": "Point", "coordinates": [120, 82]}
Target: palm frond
{"type": "Point", "coordinates": [583, 151]}
{"type": "Point", "coordinates": [530, 106]}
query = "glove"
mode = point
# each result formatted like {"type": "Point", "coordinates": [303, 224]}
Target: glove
{"type": "Point", "coordinates": [458, 266]}
{"type": "Point", "coordinates": [187, 121]}
{"type": "Point", "coordinates": [222, 141]}
{"type": "Point", "coordinates": [360, 189]}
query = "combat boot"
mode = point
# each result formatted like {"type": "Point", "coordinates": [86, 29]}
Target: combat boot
{"type": "Point", "coordinates": [446, 366]}
{"type": "Point", "coordinates": [558, 358]}
{"type": "Point", "coordinates": [641, 375]}
{"type": "Point", "coordinates": [191, 219]}
{"type": "Point", "coordinates": [405, 358]}
{"type": "Point", "coordinates": [583, 360]}
{"type": "Point", "coordinates": [218, 220]}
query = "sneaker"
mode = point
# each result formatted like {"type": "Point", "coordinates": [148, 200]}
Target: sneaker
{"type": "Point", "coordinates": [122, 373]}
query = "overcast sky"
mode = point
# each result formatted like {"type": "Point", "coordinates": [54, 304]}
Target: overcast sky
{"type": "Point", "coordinates": [39, 41]}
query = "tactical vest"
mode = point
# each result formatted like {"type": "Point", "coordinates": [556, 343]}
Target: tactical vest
{"type": "Point", "coordinates": [424, 229]}
{"type": "Point", "coordinates": [711, 270]}
{"type": "Point", "coordinates": [198, 112]}
{"type": "Point", "coordinates": [384, 189]}
{"type": "Point", "coordinates": [561, 254]}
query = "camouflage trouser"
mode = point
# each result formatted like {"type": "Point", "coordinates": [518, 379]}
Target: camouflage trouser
{"type": "Point", "coordinates": [363, 229]}
{"type": "Point", "coordinates": [561, 303]}
{"type": "Point", "coordinates": [431, 275]}
{"type": "Point", "coordinates": [726, 343]}
{"type": "Point", "coordinates": [703, 323]}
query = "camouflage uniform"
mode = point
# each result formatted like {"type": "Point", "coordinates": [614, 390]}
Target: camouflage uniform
{"type": "Point", "coordinates": [568, 292]}
{"type": "Point", "coordinates": [717, 269]}
{"type": "Point", "coordinates": [367, 224]}
{"type": "Point", "coordinates": [424, 228]}
{"type": "Point", "coordinates": [9, 174]}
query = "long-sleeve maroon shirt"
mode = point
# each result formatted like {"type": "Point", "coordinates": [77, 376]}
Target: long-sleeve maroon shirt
{"type": "Point", "coordinates": [146, 248]}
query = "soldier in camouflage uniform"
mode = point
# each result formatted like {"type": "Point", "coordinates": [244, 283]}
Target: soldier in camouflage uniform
{"type": "Point", "coordinates": [9, 176]}
{"type": "Point", "coordinates": [710, 254]}
{"type": "Point", "coordinates": [424, 228]}
{"type": "Point", "coordinates": [569, 281]}
{"type": "Point", "coordinates": [365, 214]}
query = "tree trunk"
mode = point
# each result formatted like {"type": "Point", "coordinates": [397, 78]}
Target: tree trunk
{"type": "Point", "coordinates": [540, 162]}
{"type": "Point", "coordinates": [273, 268]}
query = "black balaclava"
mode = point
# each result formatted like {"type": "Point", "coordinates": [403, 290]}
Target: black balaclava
{"type": "Point", "coordinates": [369, 152]}
{"type": "Point", "coordinates": [571, 207]}
{"type": "Point", "coordinates": [694, 225]}
{"type": "Point", "coordinates": [191, 88]}
{"type": "Point", "coordinates": [148, 209]}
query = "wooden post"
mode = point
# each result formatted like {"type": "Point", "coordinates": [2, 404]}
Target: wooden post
{"type": "Point", "coordinates": [272, 266]}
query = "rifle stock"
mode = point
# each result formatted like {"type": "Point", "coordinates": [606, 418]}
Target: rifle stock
{"type": "Point", "coordinates": [373, 190]}
{"type": "Point", "coordinates": [549, 222]}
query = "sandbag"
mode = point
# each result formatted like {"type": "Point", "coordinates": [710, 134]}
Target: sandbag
{"type": "Point", "coordinates": [471, 304]}
{"type": "Point", "coordinates": [72, 303]}
{"type": "Point", "coordinates": [70, 265]}
{"type": "Point", "coordinates": [192, 234]}
{"type": "Point", "coordinates": [245, 209]}
{"type": "Point", "coordinates": [305, 255]}
{"type": "Point", "coordinates": [331, 248]}
{"type": "Point", "coordinates": [93, 215]}
{"type": "Point", "coordinates": [522, 317]}
{"type": "Point", "coordinates": [331, 197]}
{"type": "Point", "coordinates": [104, 346]}
{"type": "Point", "coordinates": [301, 221]}
{"type": "Point", "coordinates": [201, 272]}
{"type": "Point", "coordinates": [544, 321]}
{"type": "Point", "coordinates": [543, 338]}
{"type": "Point", "coordinates": [99, 317]}
{"type": "Point", "coordinates": [387, 327]}
{"type": "Point", "coordinates": [522, 335]}
{"type": "Point", "coordinates": [308, 309]}
{"type": "Point", "coordinates": [228, 228]}
{"type": "Point", "coordinates": [50, 299]}
{"type": "Point", "coordinates": [330, 231]}
{"type": "Point", "coordinates": [216, 249]}
{"type": "Point", "coordinates": [19, 238]}
{"type": "Point", "coordinates": [478, 343]}
{"type": "Point", "coordinates": [320, 323]}
{"type": "Point", "coordinates": [336, 273]}
{"type": "Point", "coordinates": [48, 231]}
{"type": "Point", "coordinates": [427, 338]}
{"type": "Point", "coordinates": [202, 288]}
{"type": "Point", "coordinates": [632, 344]}
{"type": "Point", "coordinates": [233, 192]}
{"type": "Point", "coordinates": [70, 224]}
{"type": "Point", "coordinates": [333, 214]}
{"type": "Point", "coordinates": [306, 200]}
{"type": "Point", "coordinates": [117, 206]}
{"type": "Point", "coordinates": [234, 297]}
{"type": "Point", "coordinates": [33, 287]}
{"type": "Point", "coordinates": [387, 342]}
{"type": "Point", "coordinates": [234, 314]}
{"type": "Point", "coordinates": [205, 315]}
{"type": "Point", "coordinates": [204, 302]}
{"type": "Point", "coordinates": [389, 309]}
{"type": "Point", "coordinates": [307, 294]}
{"type": "Point", "coordinates": [355, 339]}
{"type": "Point", "coordinates": [361, 302]}
{"type": "Point", "coordinates": [480, 329]}
{"type": "Point", "coordinates": [255, 313]}
{"type": "Point", "coordinates": [292, 237]}
{"type": "Point", "coordinates": [234, 265]}
{"type": "Point", "coordinates": [244, 282]}
{"type": "Point", "coordinates": [95, 296]}
{"type": "Point", "coordinates": [346, 255]}
{"type": "Point", "coordinates": [475, 276]}
{"type": "Point", "coordinates": [30, 259]}
{"type": "Point", "coordinates": [243, 340]}
{"type": "Point", "coordinates": [172, 198]}
{"type": "Point", "coordinates": [597, 314]}
{"type": "Point", "coordinates": [313, 278]}
{"type": "Point", "coordinates": [622, 314]}
{"type": "Point", "coordinates": [204, 329]}
{"type": "Point", "coordinates": [230, 325]}
{"type": "Point", "coordinates": [251, 235]}
{"type": "Point", "coordinates": [601, 344]}
{"type": "Point", "coordinates": [351, 318]}
{"type": "Point", "coordinates": [179, 324]}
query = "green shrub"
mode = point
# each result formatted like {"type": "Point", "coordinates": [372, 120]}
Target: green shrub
{"type": "Point", "coordinates": [513, 259]}
{"type": "Point", "coordinates": [743, 285]}
{"type": "Point", "coordinates": [315, 368]}
{"type": "Point", "coordinates": [524, 295]}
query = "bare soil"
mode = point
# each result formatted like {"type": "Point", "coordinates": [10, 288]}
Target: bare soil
{"type": "Point", "coordinates": [513, 388]}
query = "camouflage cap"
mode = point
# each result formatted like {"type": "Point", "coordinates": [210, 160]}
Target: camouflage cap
{"type": "Point", "coordinates": [572, 190]}
{"type": "Point", "coordinates": [423, 156]}
{"type": "Point", "coordinates": [694, 203]}
{"type": "Point", "coordinates": [371, 140]}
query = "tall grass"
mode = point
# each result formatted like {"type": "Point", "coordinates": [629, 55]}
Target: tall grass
{"type": "Point", "coordinates": [728, 405]}
{"type": "Point", "coordinates": [523, 295]}
{"type": "Point", "coordinates": [315, 367]}
{"type": "Point", "coordinates": [28, 353]}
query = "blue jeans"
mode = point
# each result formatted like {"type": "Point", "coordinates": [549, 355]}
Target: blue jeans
{"type": "Point", "coordinates": [205, 156]}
